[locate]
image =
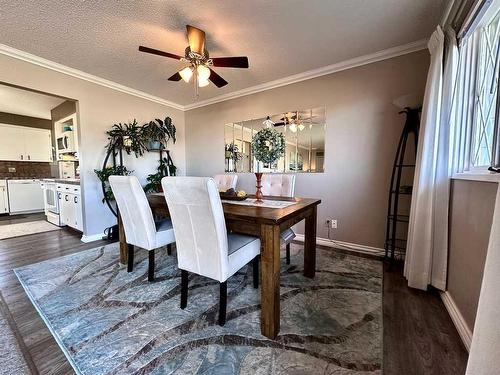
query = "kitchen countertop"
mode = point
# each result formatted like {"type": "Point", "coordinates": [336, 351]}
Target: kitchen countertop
{"type": "Point", "coordinates": [69, 181]}
{"type": "Point", "coordinates": [22, 178]}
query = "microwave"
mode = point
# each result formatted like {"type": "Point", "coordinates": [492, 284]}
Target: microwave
{"type": "Point", "coordinates": [66, 142]}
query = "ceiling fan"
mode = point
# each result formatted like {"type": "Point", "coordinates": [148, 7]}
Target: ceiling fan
{"type": "Point", "coordinates": [200, 62]}
{"type": "Point", "coordinates": [294, 120]}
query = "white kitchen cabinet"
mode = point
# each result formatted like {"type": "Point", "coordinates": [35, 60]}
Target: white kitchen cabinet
{"type": "Point", "coordinates": [21, 143]}
{"type": "Point", "coordinates": [4, 198]}
{"type": "Point", "coordinates": [70, 206]}
{"type": "Point", "coordinates": [37, 144]}
{"type": "Point", "coordinates": [11, 142]}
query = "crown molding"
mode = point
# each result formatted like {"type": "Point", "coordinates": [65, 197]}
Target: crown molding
{"type": "Point", "coordinates": [40, 61]}
{"type": "Point", "coordinates": [329, 69]}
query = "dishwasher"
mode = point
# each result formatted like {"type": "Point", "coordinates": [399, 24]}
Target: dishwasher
{"type": "Point", "coordinates": [25, 196]}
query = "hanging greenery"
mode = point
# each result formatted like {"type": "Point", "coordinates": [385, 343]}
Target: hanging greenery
{"type": "Point", "coordinates": [128, 137]}
{"type": "Point", "coordinates": [268, 145]}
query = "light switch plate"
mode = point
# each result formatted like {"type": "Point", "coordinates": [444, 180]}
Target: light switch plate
{"type": "Point", "coordinates": [12, 170]}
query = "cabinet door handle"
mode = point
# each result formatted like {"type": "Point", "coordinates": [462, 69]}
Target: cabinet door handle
{"type": "Point", "coordinates": [59, 195]}
{"type": "Point", "coordinates": [75, 200]}
{"type": "Point", "coordinates": [66, 197]}
{"type": "Point", "coordinates": [21, 157]}
{"type": "Point", "coordinates": [29, 158]}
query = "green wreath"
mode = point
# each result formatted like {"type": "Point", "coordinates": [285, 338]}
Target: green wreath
{"type": "Point", "coordinates": [268, 145]}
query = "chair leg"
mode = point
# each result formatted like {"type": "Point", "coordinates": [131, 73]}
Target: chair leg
{"type": "Point", "coordinates": [222, 303]}
{"type": "Point", "coordinates": [287, 253]}
{"type": "Point", "coordinates": [256, 271]}
{"type": "Point", "coordinates": [151, 266]}
{"type": "Point", "coordinates": [169, 249]}
{"type": "Point", "coordinates": [184, 288]}
{"type": "Point", "coordinates": [130, 264]}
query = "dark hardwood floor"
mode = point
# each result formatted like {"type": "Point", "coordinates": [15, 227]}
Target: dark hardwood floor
{"type": "Point", "coordinates": [419, 336]}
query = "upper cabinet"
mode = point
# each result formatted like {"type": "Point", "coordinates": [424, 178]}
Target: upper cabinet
{"type": "Point", "coordinates": [20, 143]}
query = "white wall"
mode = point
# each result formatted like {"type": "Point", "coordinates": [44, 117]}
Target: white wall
{"type": "Point", "coordinates": [99, 108]}
{"type": "Point", "coordinates": [363, 128]}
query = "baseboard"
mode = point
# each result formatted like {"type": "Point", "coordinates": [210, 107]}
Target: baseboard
{"type": "Point", "coordinates": [457, 318]}
{"type": "Point", "coordinates": [92, 237]}
{"type": "Point", "coordinates": [346, 246]}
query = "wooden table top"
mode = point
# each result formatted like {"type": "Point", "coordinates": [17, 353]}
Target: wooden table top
{"type": "Point", "coordinates": [261, 215]}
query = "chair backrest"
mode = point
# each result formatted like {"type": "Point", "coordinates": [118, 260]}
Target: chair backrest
{"type": "Point", "coordinates": [137, 218]}
{"type": "Point", "coordinates": [226, 181]}
{"type": "Point", "coordinates": [198, 220]}
{"type": "Point", "coordinates": [278, 185]}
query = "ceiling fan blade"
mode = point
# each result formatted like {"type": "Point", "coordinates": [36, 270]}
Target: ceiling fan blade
{"type": "Point", "coordinates": [175, 77]}
{"type": "Point", "coordinates": [159, 53]}
{"type": "Point", "coordinates": [196, 38]}
{"type": "Point", "coordinates": [217, 79]}
{"type": "Point", "coordinates": [231, 62]}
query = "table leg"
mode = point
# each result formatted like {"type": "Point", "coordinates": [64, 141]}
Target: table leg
{"type": "Point", "coordinates": [270, 289]}
{"type": "Point", "coordinates": [310, 244]}
{"type": "Point", "coordinates": [123, 241]}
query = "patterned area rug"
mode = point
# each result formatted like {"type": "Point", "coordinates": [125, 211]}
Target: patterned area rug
{"type": "Point", "coordinates": [23, 229]}
{"type": "Point", "coordinates": [108, 321]}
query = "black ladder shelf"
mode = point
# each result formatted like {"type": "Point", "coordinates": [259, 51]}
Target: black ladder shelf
{"type": "Point", "coordinates": [397, 190]}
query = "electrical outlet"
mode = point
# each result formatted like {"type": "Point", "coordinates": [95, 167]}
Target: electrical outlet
{"type": "Point", "coordinates": [12, 170]}
{"type": "Point", "coordinates": [331, 223]}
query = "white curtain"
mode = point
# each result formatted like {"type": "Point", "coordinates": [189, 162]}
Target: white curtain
{"type": "Point", "coordinates": [427, 246]}
{"type": "Point", "coordinates": [485, 348]}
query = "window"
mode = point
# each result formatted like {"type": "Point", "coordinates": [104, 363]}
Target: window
{"type": "Point", "coordinates": [483, 142]}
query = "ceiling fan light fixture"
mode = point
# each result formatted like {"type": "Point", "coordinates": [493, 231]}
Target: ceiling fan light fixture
{"type": "Point", "coordinates": [268, 123]}
{"type": "Point", "coordinates": [293, 127]}
{"type": "Point", "coordinates": [203, 82]}
{"type": "Point", "coordinates": [203, 73]}
{"type": "Point", "coordinates": [186, 74]}
{"type": "Point", "coordinates": [301, 127]}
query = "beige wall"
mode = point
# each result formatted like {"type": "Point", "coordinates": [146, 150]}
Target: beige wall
{"type": "Point", "coordinates": [471, 214]}
{"type": "Point", "coordinates": [99, 108]}
{"type": "Point", "coordinates": [363, 127]}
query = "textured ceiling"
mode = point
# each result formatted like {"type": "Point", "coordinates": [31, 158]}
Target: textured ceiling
{"type": "Point", "coordinates": [280, 38]}
{"type": "Point", "coordinates": [27, 103]}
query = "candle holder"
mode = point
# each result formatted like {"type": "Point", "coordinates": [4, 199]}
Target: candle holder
{"type": "Point", "coordinates": [258, 193]}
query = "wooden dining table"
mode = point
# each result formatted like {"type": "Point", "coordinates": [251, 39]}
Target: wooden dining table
{"type": "Point", "coordinates": [267, 224]}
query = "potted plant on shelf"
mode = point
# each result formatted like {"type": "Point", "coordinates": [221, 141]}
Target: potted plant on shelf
{"type": "Point", "coordinates": [268, 146]}
{"type": "Point", "coordinates": [166, 168]}
{"type": "Point", "coordinates": [158, 133]}
{"type": "Point", "coordinates": [103, 176]}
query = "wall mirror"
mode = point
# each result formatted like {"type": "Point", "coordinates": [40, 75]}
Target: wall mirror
{"type": "Point", "coordinates": [304, 132]}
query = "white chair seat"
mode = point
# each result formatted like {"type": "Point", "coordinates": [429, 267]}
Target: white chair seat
{"type": "Point", "coordinates": [241, 250]}
{"type": "Point", "coordinates": [287, 235]}
{"type": "Point", "coordinates": [164, 233]}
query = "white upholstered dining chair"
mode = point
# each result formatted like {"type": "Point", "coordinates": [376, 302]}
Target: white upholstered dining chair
{"type": "Point", "coordinates": [203, 245]}
{"type": "Point", "coordinates": [138, 223]}
{"type": "Point", "coordinates": [280, 185]}
{"type": "Point", "coordinates": [226, 181]}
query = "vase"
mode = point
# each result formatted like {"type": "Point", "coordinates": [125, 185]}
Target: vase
{"type": "Point", "coordinates": [258, 193]}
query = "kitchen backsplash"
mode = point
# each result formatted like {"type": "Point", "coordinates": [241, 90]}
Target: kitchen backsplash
{"type": "Point", "coordinates": [24, 169]}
